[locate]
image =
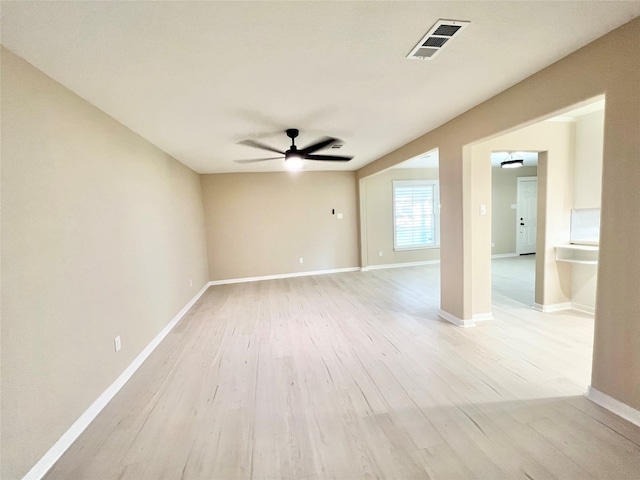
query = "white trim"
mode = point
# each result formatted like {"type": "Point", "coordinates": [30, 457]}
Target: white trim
{"type": "Point", "coordinates": [554, 307]}
{"type": "Point", "coordinates": [615, 406]}
{"type": "Point", "coordinates": [583, 308]}
{"type": "Point", "coordinates": [455, 320]}
{"type": "Point", "coordinates": [66, 440]}
{"type": "Point", "coordinates": [399, 265]}
{"type": "Point", "coordinates": [505, 255]}
{"type": "Point", "coordinates": [282, 275]}
{"type": "Point", "coordinates": [482, 317]}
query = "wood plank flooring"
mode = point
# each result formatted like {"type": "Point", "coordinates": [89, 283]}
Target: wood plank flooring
{"type": "Point", "coordinates": [352, 376]}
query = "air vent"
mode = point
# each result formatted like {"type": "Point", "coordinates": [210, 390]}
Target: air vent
{"type": "Point", "coordinates": [437, 38]}
{"type": "Point", "coordinates": [335, 146]}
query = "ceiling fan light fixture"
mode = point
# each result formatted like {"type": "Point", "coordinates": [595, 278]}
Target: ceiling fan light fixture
{"type": "Point", "coordinates": [511, 162]}
{"type": "Point", "coordinates": [517, 163]}
{"type": "Point", "coordinates": [294, 157]}
{"type": "Point", "coordinates": [293, 161]}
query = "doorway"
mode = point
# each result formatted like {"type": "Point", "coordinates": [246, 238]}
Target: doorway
{"type": "Point", "coordinates": [514, 201]}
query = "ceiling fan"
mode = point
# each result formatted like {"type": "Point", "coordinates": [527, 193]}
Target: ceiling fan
{"type": "Point", "coordinates": [293, 157]}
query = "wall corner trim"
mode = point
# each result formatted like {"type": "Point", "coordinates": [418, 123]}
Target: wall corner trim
{"type": "Point", "coordinates": [554, 307]}
{"type": "Point", "coordinates": [583, 308]}
{"type": "Point", "coordinates": [505, 255]}
{"type": "Point", "coordinates": [615, 406]}
{"type": "Point", "coordinates": [482, 317]}
{"type": "Point", "coordinates": [455, 320]}
{"type": "Point", "coordinates": [47, 461]}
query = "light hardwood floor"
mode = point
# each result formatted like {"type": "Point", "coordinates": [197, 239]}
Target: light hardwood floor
{"type": "Point", "coordinates": [352, 376]}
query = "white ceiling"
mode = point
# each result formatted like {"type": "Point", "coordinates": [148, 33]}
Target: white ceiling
{"type": "Point", "coordinates": [195, 78]}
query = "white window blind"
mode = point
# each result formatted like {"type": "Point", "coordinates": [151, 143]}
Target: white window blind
{"type": "Point", "coordinates": [416, 214]}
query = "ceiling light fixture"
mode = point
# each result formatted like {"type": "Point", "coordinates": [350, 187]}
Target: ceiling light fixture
{"type": "Point", "coordinates": [293, 161]}
{"type": "Point", "coordinates": [511, 162]}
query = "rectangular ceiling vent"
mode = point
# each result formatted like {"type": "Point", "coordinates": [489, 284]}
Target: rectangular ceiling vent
{"type": "Point", "coordinates": [437, 38]}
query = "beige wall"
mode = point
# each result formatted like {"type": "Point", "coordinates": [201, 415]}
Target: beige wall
{"type": "Point", "coordinates": [588, 170]}
{"type": "Point", "coordinates": [587, 194]}
{"type": "Point", "coordinates": [377, 209]}
{"type": "Point", "coordinates": [101, 233]}
{"type": "Point", "coordinates": [504, 189]}
{"type": "Point", "coordinates": [261, 223]}
{"type": "Point", "coordinates": [609, 65]}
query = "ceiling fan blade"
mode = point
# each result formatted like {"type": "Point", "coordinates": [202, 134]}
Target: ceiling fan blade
{"type": "Point", "coordinates": [325, 142]}
{"type": "Point", "coordinates": [254, 144]}
{"type": "Point", "coordinates": [328, 158]}
{"type": "Point", "coordinates": [254, 160]}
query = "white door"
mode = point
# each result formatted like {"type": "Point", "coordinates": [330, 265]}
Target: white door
{"type": "Point", "coordinates": [527, 215]}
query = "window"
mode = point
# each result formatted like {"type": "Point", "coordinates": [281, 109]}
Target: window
{"type": "Point", "coordinates": [416, 214]}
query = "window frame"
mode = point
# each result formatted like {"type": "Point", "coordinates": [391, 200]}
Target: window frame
{"type": "Point", "coordinates": [436, 214]}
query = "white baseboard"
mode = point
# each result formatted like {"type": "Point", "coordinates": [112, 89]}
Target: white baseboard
{"type": "Point", "coordinates": [482, 317]}
{"type": "Point", "coordinates": [559, 307]}
{"type": "Point", "coordinates": [66, 440]}
{"type": "Point", "coordinates": [621, 409]}
{"type": "Point", "coordinates": [583, 308]}
{"type": "Point", "coordinates": [282, 275]}
{"type": "Point", "coordinates": [553, 307]}
{"type": "Point", "coordinates": [504, 255]}
{"type": "Point", "coordinates": [399, 265]}
{"type": "Point", "coordinates": [455, 320]}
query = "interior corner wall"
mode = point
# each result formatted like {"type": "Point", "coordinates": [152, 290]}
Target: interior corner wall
{"type": "Point", "coordinates": [101, 235]}
{"type": "Point", "coordinates": [261, 224]}
{"type": "Point", "coordinates": [378, 210]}
{"type": "Point", "coordinates": [610, 65]}
{"type": "Point", "coordinates": [588, 164]}
{"type": "Point", "coordinates": [455, 231]}
{"type": "Point", "coordinates": [616, 363]}
{"type": "Point", "coordinates": [587, 194]}
{"type": "Point", "coordinates": [480, 219]}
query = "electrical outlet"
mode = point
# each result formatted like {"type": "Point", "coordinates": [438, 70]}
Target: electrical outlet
{"type": "Point", "coordinates": [301, 260]}
{"type": "Point", "coordinates": [493, 245]}
{"type": "Point", "coordinates": [380, 253]}
{"type": "Point", "coordinates": [339, 216]}
{"type": "Point", "coordinates": [191, 282]}
{"type": "Point", "coordinates": [117, 343]}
